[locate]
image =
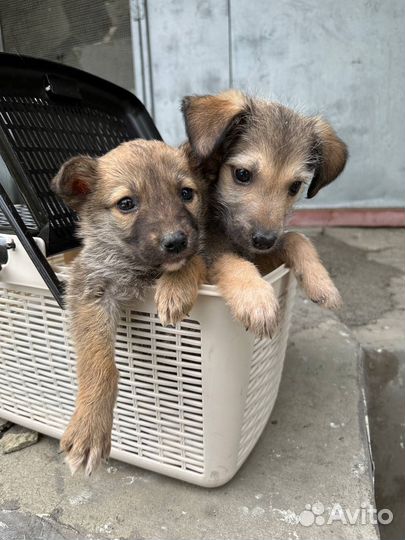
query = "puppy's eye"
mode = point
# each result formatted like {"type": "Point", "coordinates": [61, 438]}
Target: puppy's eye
{"type": "Point", "coordinates": [242, 176]}
{"type": "Point", "coordinates": [294, 188]}
{"type": "Point", "coordinates": [187, 194]}
{"type": "Point", "coordinates": [126, 204]}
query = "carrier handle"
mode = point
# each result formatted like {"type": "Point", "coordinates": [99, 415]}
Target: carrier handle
{"type": "Point", "coordinates": [35, 254]}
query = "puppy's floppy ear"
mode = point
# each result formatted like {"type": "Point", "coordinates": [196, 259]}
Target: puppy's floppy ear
{"type": "Point", "coordinates": [209, 118]}
{"type": "Point", "coordinates": [331, 156]}
{"type": "Point", "coordinates": [76, 180]}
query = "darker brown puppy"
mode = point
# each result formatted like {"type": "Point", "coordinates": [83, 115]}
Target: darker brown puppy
{"type": "Point", "coordinates": [258, 156]}
{"type": "Point", "coordinates": [140, 211]}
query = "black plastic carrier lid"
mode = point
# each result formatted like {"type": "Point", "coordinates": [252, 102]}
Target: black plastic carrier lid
{"type": "Point", "coordinates": [50, 112]}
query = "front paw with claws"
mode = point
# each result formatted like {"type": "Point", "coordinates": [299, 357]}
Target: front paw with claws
{"type": "Point", "coordinates": [86, 442]}
{"type": "Point", "coordinates": [174, 298]}
{"type": "Point", "coordinates": [257, 309]}
{"type": "Point", "coordinates": [320, 288]}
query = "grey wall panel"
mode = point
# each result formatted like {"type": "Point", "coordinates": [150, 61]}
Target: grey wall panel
{"type": "Point", "coordinates": [342, 59]}
{"type": "Point", "coordinates": [189, 54]}
{"type": "Point", "coordinates": [345, 60]}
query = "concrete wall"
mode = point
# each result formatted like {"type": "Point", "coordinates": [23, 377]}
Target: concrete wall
{"type": "Point", "coordinates": [343, 59]}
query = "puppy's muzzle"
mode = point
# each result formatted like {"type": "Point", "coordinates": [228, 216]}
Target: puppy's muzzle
{"type": "Point", "coordinates": [174, 243]}
{"type": "Point", "coordinates": [264, 240]}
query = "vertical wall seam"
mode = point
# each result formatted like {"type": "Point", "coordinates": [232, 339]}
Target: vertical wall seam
{"type": "Point", "coordinates": [230, 55]}
{"type": "Point", "coordinates": [141, 53]}
{"type": "Point", "coordinates": [142, 61]}
{"type": "Point", "coordinates": [137, 50]}
{"type": "Point", "coordinates": [149, 53]}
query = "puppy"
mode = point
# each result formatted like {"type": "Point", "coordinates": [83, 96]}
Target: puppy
{"type": "Point", "coordinates": [140, 212]}
{"type": "Point", "coordinates": [257, 156]}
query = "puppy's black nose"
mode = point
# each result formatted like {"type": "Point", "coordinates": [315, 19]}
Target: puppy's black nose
{"type": "Point", "coordinates": [174, 242]}
{"type": "Point", "coordinates": [264, 239]}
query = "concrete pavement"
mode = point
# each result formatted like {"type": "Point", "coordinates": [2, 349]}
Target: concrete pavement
{"type": "Point", "coordinates": [314, 451]}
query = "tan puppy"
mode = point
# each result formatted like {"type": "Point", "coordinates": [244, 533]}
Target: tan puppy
{"type": "Point", "coordinates": [140, 220]}
{"type": "Point", "coordinates": [257, 157]}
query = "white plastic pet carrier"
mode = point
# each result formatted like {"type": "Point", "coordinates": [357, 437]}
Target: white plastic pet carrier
{"type": "Point", "coordinates": [193, 400]}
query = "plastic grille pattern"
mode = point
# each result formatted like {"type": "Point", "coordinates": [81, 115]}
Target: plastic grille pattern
{"type": "Point", "coordinates": [158, 415]}
{"type": "Point", "coordinates": [26, 215]}
{"type": "Point", "coordinates": [264, 380]}
{"type": "Point", "coordinates": [44, 134]}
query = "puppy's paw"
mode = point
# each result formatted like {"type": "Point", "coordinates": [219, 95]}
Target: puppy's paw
{"type": "Point", "coordinates": [174, 301]}
{"type": "Point", "coordinates": [86, 443]}
{"type": "Point", "coordinates": [257, 308]}
{"type": "Point", "coordinates": [320, 289]}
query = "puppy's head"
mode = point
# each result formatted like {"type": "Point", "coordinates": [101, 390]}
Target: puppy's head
{"type": "Point", "coordinates": [259, 156]}
{"type": "Point", "coordinates": [140, 199]}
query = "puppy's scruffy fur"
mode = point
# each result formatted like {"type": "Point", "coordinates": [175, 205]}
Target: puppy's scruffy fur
{"type": "Point", "coordinates": [257, 156]}
{"type": "Point", "coordinates": [126, 247]}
